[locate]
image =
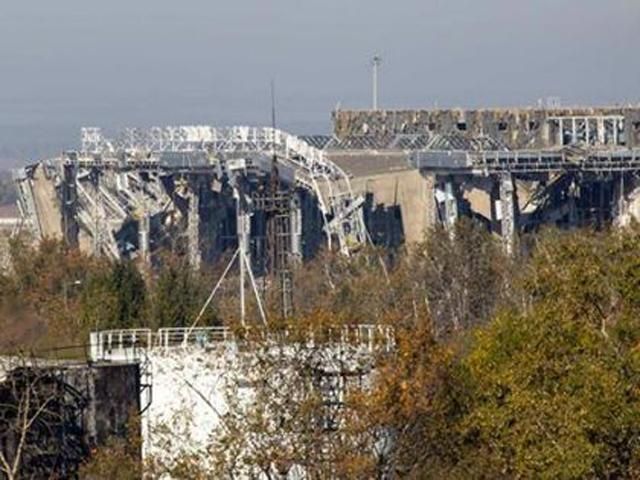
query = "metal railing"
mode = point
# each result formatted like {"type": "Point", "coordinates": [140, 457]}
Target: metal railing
{"type": "Point", "coordinates": [132, 344]}
{"type": "Point", "coordinates": [180, 337]}
{"type": "Point", "coordinates": [123, 344]}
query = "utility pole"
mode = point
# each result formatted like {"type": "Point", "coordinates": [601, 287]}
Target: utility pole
{"type": "Point", "coordinates": [375, 63]}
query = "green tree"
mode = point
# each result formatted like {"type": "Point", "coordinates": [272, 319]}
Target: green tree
{"type": "Point", "coordinates": [45, 285]}
{"type": "Point", "coordinates": [178, 293]}
{"type": "Point", "coordinates": [114, 297]}
{"type": "Point", "coordinates": [553, 390]}
{"type": "Point", "coordinates": [130, 289]}
{"type": "Point", "coordinates": [549, 388]}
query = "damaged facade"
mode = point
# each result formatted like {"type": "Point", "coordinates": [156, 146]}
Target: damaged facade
{"type": "Point", "coordinates": [196, 190]}
{"type": "Point", "coordinates": [512, 128]}
{"type": "Point", "coordinates": [384, 176]}
{"type": "Point", "coordinates": [53, 414]}
{"type": "Point", "coordinates": [514, 169]}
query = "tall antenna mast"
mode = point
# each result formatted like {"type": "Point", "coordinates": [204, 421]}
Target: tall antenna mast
{"type": "Point", "coordinates": [274, 159]}
{"type": "Point", "coordinates": [376, 61]}
{"type": "Point", "coordinates": [273, 104]}
{"type": "Point", "coordinates": [277, 204]}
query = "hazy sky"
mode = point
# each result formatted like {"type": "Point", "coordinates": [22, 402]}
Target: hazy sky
{"type": "Point", "coordinates": [111, 63]}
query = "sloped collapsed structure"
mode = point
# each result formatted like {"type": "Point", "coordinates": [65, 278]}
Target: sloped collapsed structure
{"type": "Point", "coordinates": [200, 187]}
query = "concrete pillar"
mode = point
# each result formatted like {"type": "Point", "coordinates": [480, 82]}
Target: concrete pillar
{"type": "Point", "coordinates": [450, 203]}
{"type": "Point", "coordinates": [494, 198]}
{"type": "Point", "coordinates": [144, 227]}
{"type": "Point", "coordinates": [601, 131]}
{"type": "Point", "coordinates": [296, 227]}
{"type": "Point", "coordinates": [431, 203]}
{"type": "Point", "coordinates": [574, 131]}
{"type": "Point", "coordinates": [98, 219]}
{"type": "Point", "coordinates": [70, 228]}
{"type": "Point", "coordinates": [587, 131]}
{"type": "Point", "coordinates": [193, 228]}
{"type": "Point", "coordinates": [619, 199]}
{"type": "Point", "coordinates": [560, 132]}
{"type": "Point", "coordinates": [545, 133]}
{"type": "Point", "coordinates": [572, 195]}
{"type": "Point", "coordinates": [508, 207]}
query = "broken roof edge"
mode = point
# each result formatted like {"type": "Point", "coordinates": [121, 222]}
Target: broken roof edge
{"type": "Point", "coordinates": [489, 109]}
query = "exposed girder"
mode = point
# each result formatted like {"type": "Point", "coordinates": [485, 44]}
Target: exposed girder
{"type": "Point", "coordinates": [340, 208]}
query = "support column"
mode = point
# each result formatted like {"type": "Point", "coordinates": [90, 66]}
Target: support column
{"type": "Point", "coordinates": [144, 227]}
{"type": "Point", "coordinates": [431, 203]}
{"type": "Point", "coordinates": [560, 132]}
{"type": "Point", "coordinates": [193, 228]}
{"type": "Point", "coordinates": [572, 195]}
{"type": "Point", "coordinates": [296, 227]}
{"type": "Point", "coordinates": [508, 207]}
{"type": "Point", "coordinates": [574, 131]}
{"type": "Point", "coordinates": [619, 203]}
{"type": "Point", "coordinates": [601, 131]}
{"type": "Point", "coordinates": [98, 217]}
{"type": "Point", "coordinates": [70, 227]}
{"type": "Point", "coordinates": [494, 198]}
{"type": "Point", "coordinates": [450, 204]}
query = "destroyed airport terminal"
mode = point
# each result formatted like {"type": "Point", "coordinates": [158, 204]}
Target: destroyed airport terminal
{"type": "Point", "coordinates": [383, 176]}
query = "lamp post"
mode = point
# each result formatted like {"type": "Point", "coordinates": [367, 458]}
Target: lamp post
{"type": "Point", "coordinates": [376, 61]}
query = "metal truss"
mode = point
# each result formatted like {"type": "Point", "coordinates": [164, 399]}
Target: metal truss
{"type": "Point", "coordinates": [340, 208]}
{"type": "Point", "coordinates": [106, 202]}
{"type": "Point", "coordinates": [527, 161]}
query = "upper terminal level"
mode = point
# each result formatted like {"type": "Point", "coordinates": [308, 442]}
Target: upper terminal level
{"type": "Point", "coordinates": [507, 128]}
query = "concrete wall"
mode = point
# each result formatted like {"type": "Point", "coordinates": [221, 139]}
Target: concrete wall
{"type": "Point", "coordinates": [410, 192]}
{"type": "Point", "coordinates": [392, 190]}
{"type": "Point", "coordinates": [112, 391]}
{"type": "Point", "coordinates": [47, 204]}
{"type": "Point", "coordinates": [199, 391]}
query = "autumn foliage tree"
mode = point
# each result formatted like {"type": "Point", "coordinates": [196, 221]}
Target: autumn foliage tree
{"type": "Point", "coordinates": [546, 390]}
{"type": "Point", "coordinates": [524, 367]}
{"type": "Point", "coordinates": [554, 389]}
